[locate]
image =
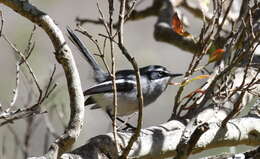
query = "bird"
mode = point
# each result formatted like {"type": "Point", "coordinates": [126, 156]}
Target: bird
{"type": "Point", "coordinates": [154, 81]}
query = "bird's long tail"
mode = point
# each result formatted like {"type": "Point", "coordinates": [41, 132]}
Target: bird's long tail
{"type": "Point", "coordinates": [100, 75]}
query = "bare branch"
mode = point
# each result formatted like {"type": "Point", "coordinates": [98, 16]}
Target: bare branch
{"type": "Point", "coordinates": [21, 113]}
{"type": "Point", "coordinates": [113, 73]}
{"type": "Point", "coordinates": [15, 91]}
{"type": "Point", "coordinates": [2, 22]}
{"type": "Point", "coordinates": [64, 57]}
{"type": "Point", "coordinates": [131, 15]}
{"type": "Point", "coordinates": [28, 135]}
{"type": "Point", "coordinates": [95, 41]}
{"type": "Point", "coordinates": [48, 90]}
{"type": "Point", "coordinates": [137, 74]}
{"type": "Point", "coordinates": [161, 141]}
{"type": "Point", "coordinates": [27, 64]}
{"type": "Point", "coordinates": [30, 45]}
{"type": "Point", "coordinates": [82, 21]}
{"type": "Point", "coordinates": [185, 149]}
{"type": "Point", "coordinates": [17, 140]}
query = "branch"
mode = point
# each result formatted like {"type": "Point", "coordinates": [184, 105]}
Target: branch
{"type": "Point", "coordinates": [21, 113]}
{"type": "Point", "coordinates": [138, 82]}
{"type": "Point", "coordinates": [161, 141]}
{"type": "Point", "coordinates": [184, 149]}
{"type": "Point", "coordinates": [64, 57]}
{"type": "Point", "coordinates": [255, 153]}
{"type": "Point", "coordinates": [134, 15]}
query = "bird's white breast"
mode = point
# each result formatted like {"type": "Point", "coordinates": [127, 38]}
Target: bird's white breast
{"type": "Point", "coordinates": [126, 105]}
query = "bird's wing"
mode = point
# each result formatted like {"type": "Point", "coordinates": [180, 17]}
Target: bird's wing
{"type": "Point", "coordinates": [122, 85]}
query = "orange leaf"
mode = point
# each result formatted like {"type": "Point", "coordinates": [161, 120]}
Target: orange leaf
{"type": "Point", "coordinates": [216, 55]}
{"type": "Point", "coordinates": [177, 26]}
{"type": "Point", "coordinates": [195, 92]}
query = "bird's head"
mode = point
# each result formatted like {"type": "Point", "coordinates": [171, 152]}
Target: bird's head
{"type": "Point", "coordinates": [158, 76]}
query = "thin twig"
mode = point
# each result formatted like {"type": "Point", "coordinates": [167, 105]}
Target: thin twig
{"type": "Point", "coordinates": [137, 74]}
{"type": "Point", "coordinates": [121, 22]}
{"type": "Point", "coordinates": [22, 113]}
{"type": "Point", "coordinates": [110, 33]}
{"type": "Point", "coordinates": [28, 134]}
{"type": "Point", "coordinates": [50, 127]}
{"type": "Point", "coordinates": [140, 100]}
{"type": "Point", "coordinates": [81, 21]}
{"type": "Point", "coordinates": [102, 17]}
{"type": "Point", "coordinates": [130, 10]}
{"type": "Point", "coordinates": [51, 90]}
{"type": "Point", "coordinates": [15, 91]}
{"type": "Point", "coordinates": [130, 15]}
{"type": "Point", "coordinates": [49, 84]}
{"type": "Point", "coordinates": [95, 41]}
{"type": "Point", "coordinates": [4, 146]}
{"type": "Point", "coordinates": [236, 109]}
{"type": "Point", "coordinates": [17, 139]}
{"type": "Point", "coordinates": [107, 37]}
{"type": "Point", "coordinates": [126, 17]}
{"type": "Point", "coordinates": [2, 22]}
{"type": "Point", "coordinates": [46, 141]}
{"type": "Point", "coordinates": [226, 14]}
{"type": "Point", "coordinates": [205, 45]}
{"type": "Point", "coordinates": [251, 24]}
{"type": "Point", "coordinates": [30, 44]}
{"type": "Point", "coordinates": [27, 64]}
{"type": "Point", "coordinates": [64, 56]}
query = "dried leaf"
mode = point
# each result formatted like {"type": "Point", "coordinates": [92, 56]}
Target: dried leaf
{"type": "Point", "coordinates": [195, 78]}
{"type": "Point", "coordinates": [177, 26]}
{"type": "Point", "coordinates": [174, 83]}
{"type": "Point", "coordinates": [195, 92]}
{"type": "Point", "coordinates": [200, 77]}
{"type": "Point", "coordinates": [216, 55]}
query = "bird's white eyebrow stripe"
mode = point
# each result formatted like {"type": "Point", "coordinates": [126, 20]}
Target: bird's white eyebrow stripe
{"type": "Point", "coordinates": [160, 69]}
{"type": "Point", "coordinates": [157, 69]}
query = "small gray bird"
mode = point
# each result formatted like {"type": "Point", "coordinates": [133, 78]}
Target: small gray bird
{"type": "Point", "coordinates": [154, 81]}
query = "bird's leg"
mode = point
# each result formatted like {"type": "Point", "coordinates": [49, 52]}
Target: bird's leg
{"type": "Point", "coordinates": [121, 120]}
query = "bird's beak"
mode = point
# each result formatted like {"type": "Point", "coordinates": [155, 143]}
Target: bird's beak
{"type": "Point", "coordinates": [175, 75]}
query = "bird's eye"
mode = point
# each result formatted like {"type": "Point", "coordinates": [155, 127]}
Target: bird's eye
{"type": "Point", "coordinates": [156, 75]}
{"type": "Point", "coordinates": [160, 74]}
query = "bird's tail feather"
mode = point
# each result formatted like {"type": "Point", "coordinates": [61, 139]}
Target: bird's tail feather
{"type": "Point", "coordinates": [100, 75]}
